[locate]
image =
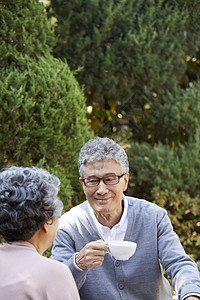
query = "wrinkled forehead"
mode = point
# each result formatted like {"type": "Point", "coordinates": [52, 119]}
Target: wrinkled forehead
{"type": "Point", "coordinates": [101, 168]}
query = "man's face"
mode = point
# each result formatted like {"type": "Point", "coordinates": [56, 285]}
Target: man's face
{"type": "Point", "coordinates": [105, 199]}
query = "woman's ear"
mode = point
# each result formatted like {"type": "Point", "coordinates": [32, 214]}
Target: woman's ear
{"type": "Point", "coordinates": [46, 227]}
{"type": "Point", "coordinates": [47, 224]}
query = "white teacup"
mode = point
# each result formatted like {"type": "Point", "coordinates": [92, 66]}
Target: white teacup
{"type": "Point", "coordinates": [122, 250]}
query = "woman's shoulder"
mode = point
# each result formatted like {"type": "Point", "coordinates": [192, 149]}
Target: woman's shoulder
{"type": "Point", "coordinates": [56, 279]}
{"type": "Point", "coordinates": [51, 265]}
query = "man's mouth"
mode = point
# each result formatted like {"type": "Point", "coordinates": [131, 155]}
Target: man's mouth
{"type": "Point", "coordinates": [102, 199]}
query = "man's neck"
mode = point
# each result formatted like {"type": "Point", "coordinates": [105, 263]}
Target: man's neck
{"type": "Point", "coordinates": [110, 220]}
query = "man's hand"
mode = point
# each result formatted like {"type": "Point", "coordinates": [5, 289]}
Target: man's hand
{"type": "Point", "coordinates": [92, 255]}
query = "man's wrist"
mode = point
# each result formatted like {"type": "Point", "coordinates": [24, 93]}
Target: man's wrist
{"type": "Point", "coordinates": [75, 264]}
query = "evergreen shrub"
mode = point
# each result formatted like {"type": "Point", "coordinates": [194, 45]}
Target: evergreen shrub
{"type": "Point", "coordinates": [24, 30]}
{"type": "Point", "coordinates": [42, 107]}
{"type": "Point", "coordinates": [167, 167]}
{"type": "Point", "coordinates": [42, 111]}
{"type": "Point", "coordinates": [132, 54]}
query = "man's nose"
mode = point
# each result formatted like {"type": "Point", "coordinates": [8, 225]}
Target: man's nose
{"type": "Point", "coordinates": [102, 187]}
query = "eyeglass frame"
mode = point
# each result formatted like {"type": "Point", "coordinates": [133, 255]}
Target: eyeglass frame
{"type": "Point", "coordinates": [102, 178]}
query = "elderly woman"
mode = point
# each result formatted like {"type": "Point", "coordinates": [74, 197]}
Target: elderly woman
{"type": "Point", "coordinates": [29, 212]}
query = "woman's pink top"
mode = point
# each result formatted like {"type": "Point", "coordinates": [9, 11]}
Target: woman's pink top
{"type": "Point", "coordinates": [26, 275]}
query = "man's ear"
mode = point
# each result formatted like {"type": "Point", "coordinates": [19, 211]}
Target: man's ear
{"type": "Point", "coordinates": [126, 179]}
{"type": "Point", "coordinates": [81, 182]}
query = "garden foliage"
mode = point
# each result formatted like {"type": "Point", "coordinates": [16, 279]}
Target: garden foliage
{"type": "Point", "coordinates": [42, 107]}
{"type": "Point", "coordinates": [132, 54]}
{"type": "Point", "coordinates": [140, 70]}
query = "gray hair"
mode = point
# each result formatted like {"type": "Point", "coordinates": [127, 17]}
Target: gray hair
{"type": "Point", "coordinates": [28, 199]}
{"type": "Point", "coordinates": [102, 148]}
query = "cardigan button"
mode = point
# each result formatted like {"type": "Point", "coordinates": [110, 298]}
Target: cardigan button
{"type": "Point", "coordinates": [120, 286]}
{"type": "Point", "coordinates": [117, 263]}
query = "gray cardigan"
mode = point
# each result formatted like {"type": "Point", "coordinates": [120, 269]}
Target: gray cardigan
{"type": "Point", "coordinates": [139, 278]}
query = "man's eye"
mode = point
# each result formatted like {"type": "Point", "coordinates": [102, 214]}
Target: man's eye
{"type": "Point", "coordinates": [92, 180]}
{"type": "Point", "coordinates": [108, 179]}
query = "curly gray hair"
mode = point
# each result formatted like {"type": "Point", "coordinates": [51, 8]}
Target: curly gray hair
{"type": "Point", "coordinates": [101, 148]}
{"type": "Point", "coordinates": [28, 198]}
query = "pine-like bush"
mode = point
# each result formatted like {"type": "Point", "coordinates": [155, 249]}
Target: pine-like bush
{"type": "Point", "coordinates": [132, 53]}
{"type": "Point", "coordinates": [42, 107]}
{"type": "Point", "coordinates": [167, 167]}
{"type": "Point", "coordinates": [24, 30]}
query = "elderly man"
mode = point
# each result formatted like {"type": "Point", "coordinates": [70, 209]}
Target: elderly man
{"type": "Point", "coordinates": [107, 214]}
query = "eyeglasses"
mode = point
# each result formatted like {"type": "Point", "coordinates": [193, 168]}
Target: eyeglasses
{"type": "Point", "coordinates": [108, 180]}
